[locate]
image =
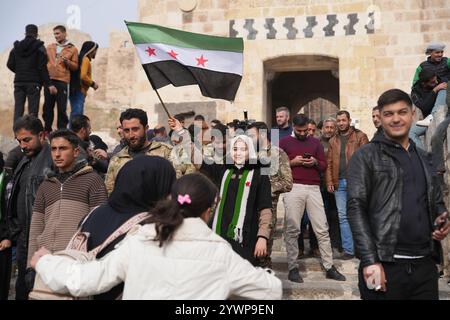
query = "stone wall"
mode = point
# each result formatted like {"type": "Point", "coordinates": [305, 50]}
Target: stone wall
{"type": "Point", "coordinates": [369, 63]}
{"type": "Point", "coordinates": [113, 69]}
{"type": "Point", "coordinates": [371, 45]}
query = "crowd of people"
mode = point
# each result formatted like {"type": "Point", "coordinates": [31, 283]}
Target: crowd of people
{"type": "Point", "coordinates": [190, 213]}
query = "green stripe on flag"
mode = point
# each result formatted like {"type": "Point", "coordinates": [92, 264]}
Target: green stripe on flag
{"type": "Point", "coordinates": [223, 197]}
{"type": "Point", "coordinates": [150, 33]}
{"type": "Point", "coordinates": [237, 206]}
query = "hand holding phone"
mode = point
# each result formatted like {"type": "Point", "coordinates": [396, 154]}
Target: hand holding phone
{"type": "Point", "coordinates": [307, 155]}
{"type": "Point", "coordinates": [440, 221]}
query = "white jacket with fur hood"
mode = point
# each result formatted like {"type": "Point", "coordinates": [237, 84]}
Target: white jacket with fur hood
{"type": "Point", "coordinates": [196, 264]}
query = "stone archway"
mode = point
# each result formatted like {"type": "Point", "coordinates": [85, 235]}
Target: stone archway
{"type": "Point", "coordinates": [300, 80]}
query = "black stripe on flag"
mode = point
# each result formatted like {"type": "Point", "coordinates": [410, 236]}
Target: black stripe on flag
{"type": "Point", "coordinates": [213, 84]}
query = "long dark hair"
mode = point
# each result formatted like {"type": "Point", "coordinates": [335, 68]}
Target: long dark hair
{"type": "Point", "coordinates": [168, 214]}
{"type": "Point", "coordinates": [75, 80]}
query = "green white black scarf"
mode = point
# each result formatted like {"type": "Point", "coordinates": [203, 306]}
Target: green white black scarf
{"type": "Point", "coordinates": [234, 230]}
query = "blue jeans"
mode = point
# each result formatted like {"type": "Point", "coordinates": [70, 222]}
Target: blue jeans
{"type": "Point", "coordinates": [341, 202]}
{"type": "Point", "coordinates": [76, 104]}
{"type": "Point", "coordinates": [416, 132]}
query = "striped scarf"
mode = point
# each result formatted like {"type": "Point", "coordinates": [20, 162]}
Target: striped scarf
{"type": "Point", "coordinates": [234, 230]}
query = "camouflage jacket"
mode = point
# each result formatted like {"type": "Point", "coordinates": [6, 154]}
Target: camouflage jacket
{"type": "Point", "coordinates": [156, 149]}
{"type": "Point", "coordinates": [280, 173]}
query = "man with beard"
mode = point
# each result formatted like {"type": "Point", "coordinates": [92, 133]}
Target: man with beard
{"type": "Point", "coordinates": [27, 177]}
{"type": "Point", "coordinates": [282, 117]}
{"type": "Point", "coordinates": [307, 160]}
{"type": "Point", "coordinates": [327, 132]}
{"type": "Point", "coordinates": [340, 150]}
{"type": "Point", "coordinates": [134, 127]}
{"type": "Point", "coordinates": [376, 120]}
{"type": "Point", "coordinates": [95, 155]}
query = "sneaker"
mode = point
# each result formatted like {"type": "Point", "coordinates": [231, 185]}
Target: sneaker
{"type": "Point", "coordinates": [425, 122]}
{"type": "Point", "coordinates": [295, 276]}
{"type": "Point", "coordinates": [346, 256]}
{"type": "Point", "coordinates": [332, 273]}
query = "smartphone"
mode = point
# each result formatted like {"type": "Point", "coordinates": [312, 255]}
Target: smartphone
{"type": "Point", "coordinates": [307, 155]}
{"type": "Point", "coordinates": [440, 221]}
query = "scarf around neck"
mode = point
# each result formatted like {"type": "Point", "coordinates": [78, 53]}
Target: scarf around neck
{"type": "Point", "coordinates": [235, 229]}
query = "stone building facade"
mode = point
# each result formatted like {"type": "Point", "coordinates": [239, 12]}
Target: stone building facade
{"type": "Point", "coordinates": [295, 52]}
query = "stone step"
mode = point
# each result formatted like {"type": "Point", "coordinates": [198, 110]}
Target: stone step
{"type": "Point", "coordinates": [317, 287]}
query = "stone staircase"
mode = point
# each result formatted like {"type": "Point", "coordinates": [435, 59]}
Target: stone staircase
{"type": "Point", "coordinates": [315, 285]}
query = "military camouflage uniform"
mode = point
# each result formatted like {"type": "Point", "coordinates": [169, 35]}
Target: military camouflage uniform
{"type": "Point", "coordinates": [280, 175]}
{"type": "Point", "coordinates": [156, 149]}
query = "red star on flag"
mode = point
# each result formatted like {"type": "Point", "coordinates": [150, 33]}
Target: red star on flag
{"type": "Point", "coordinates": [151, 52]}
{"type": "Point", "coordinates": [173, 54]}
{"type": "Point", "coordinates": [201, 61]}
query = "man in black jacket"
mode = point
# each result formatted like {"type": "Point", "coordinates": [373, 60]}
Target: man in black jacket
{"type": "Point", "coordinates": [28, 60]}
{"type": "Point", "coordinates": [21, 192]}
{"type": "Point", "coordinates": [428, 94]}
{"type": "Point", "coordinates": [395, 209]}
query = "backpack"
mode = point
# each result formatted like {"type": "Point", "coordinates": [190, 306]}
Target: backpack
{"type": "Point", "coordinates": [77, 250]}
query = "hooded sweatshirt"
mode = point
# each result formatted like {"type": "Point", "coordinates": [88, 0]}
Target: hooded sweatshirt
{"type": "Point", "coordinates": [28, 60]}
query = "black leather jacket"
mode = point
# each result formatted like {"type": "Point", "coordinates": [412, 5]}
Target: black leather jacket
{"type": "Point", "coordinates": [374, 199]}
{"type": "Point", "coordinates": [40, 166]}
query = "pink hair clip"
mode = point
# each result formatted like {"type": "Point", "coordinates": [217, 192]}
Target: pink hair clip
{"type": "Point", "coordinates": [184, 199]}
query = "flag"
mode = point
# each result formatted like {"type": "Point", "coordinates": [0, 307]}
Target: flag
{"type": "Point", "coordinates": [181, 58]}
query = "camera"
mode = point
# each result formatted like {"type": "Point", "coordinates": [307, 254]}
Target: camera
{"type": "Point", "coordinates": [242, 124]}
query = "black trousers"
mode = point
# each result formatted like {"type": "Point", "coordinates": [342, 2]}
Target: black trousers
{"type": "Point", "coordinates": [5, 272]}
{"type": "Point", "coordinates": [21, 258]}
{"type": "Point", "coordinates": [22, 92]}
{"type": "Point", "coordinates": [406, 280]}
{"type": "Point", "coordinates": [61, 102]}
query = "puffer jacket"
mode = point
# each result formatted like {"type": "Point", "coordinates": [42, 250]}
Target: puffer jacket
{"type": "Point", "coordinates": [195, 264]}
{"type": "Point", "coordinates": [356, 139]}
{"type": "Point", "coordinates": [28, 60]}
{"type": "Point", "coordinates": [374, 198]}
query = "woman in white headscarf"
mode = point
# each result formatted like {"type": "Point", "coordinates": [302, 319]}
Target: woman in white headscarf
{"type": "Point", "coordinates": [243, 215]}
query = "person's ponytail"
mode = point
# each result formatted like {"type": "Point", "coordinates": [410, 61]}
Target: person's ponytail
{"type": "Point", "coordinates": [190, 197]}
{"type": "Point", "coordinates": [167, 217]}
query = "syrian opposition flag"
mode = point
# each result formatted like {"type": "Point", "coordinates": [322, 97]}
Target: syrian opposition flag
{"type": "Point", "coordinates": [182, 58]}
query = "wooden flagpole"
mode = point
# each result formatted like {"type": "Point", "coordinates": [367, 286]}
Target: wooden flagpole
{"type": "Point", "coordinates": [164, 106]}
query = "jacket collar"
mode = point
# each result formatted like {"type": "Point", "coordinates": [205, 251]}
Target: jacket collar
{"type": "Point", "coordinates": [80, 169]}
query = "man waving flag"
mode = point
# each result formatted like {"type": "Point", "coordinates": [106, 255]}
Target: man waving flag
{"type": "Point", "coordinates": [182, 58]}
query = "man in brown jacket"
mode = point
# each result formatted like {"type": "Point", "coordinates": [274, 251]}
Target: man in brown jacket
{"type": "Point", "coordinates": [62, 59]}
{"type": "Point", "coordinates": [341, 148]}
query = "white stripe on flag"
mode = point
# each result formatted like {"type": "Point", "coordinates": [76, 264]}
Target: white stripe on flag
{"type": "Point", "coordinates": [222, 61]}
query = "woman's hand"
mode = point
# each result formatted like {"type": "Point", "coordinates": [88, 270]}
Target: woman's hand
{"type": "Point", "coordinates": [37, 255]}
{"type": "Point", "coordinates": [261, 247]}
